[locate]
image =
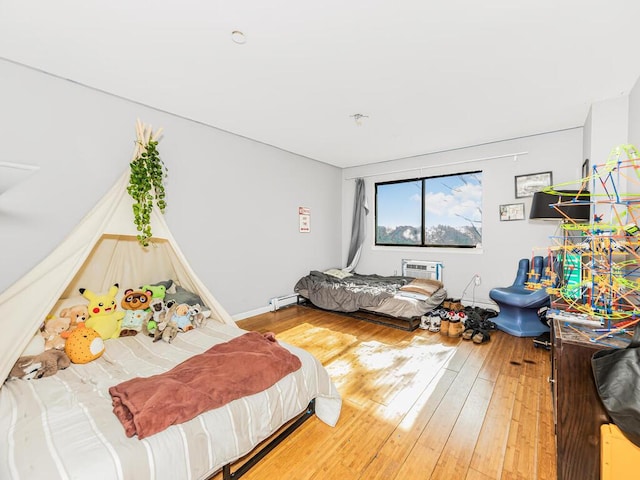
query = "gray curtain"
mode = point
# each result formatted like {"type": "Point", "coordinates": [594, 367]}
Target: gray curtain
{"type": "Point", "coordinates": [358, 225]}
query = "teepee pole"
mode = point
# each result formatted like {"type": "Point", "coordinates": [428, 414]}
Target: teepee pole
{"type": "Point", "coordinates": [144, 134]}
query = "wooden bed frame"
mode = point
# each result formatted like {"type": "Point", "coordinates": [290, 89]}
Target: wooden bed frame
{"type": "Point", "coordinates": [406, 324]}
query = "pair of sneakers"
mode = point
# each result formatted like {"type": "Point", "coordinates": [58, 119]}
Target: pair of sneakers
{"type": "Point", "coordinates": [453, 325]}
{"type": "Point", "coordinates": [448, 322]}
{"type": "Point", "coordinates": [430, 322]}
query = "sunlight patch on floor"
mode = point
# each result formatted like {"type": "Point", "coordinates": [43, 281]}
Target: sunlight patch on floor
{"type": "Point", "coordinates": [392, 376]}
{"type": "Point", "coordinates": [380, 372]}
{"type": "Point", "coordinates": [322, 343]}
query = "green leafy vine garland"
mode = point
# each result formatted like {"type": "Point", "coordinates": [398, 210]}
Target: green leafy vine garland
{"type": "Point", "coordinates": [146, 184]}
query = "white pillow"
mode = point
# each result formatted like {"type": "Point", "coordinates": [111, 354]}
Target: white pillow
{"type": "Point", "coordinates": [336, 272]}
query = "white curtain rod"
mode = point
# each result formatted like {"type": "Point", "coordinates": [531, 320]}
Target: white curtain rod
{"type": "Point", "coordinates": [514, 155]}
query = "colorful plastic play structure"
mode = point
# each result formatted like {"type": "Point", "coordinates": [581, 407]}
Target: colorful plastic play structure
{"type": "Point", "coordinates": [599, 261]}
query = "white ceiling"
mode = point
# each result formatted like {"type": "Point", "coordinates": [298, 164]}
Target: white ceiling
{"type": "Point", "coordinates": [429, 75]}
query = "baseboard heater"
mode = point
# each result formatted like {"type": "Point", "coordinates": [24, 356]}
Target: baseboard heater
{"type": "Point", "coordinates": [284, 301]}
{"type": "Point", "coordinates": [422, 269]}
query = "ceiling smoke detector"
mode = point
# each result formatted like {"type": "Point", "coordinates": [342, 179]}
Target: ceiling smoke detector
{"type": "Point", "coordinates": [238, 37]}
{"type": "Point", "coordinates": [358, 118]}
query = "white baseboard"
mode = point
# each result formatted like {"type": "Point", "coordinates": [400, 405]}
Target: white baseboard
{"type": "Point", "coordinates": [275, 303]}
{"type": "Point", "coordinates": [251, 313]}
{"type": "Point", "coordinates": [488, 304]}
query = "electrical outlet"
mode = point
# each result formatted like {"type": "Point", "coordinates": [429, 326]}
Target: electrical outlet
{"type": "Point", "coordinates": [477, 279]}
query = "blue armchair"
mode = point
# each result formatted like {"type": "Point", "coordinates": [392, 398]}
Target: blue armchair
{"type": "Point", "coordinates": [519, 305]}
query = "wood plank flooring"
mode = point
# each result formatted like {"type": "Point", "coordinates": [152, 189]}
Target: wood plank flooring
{"type": "Point", "coordinates": [416, 405]}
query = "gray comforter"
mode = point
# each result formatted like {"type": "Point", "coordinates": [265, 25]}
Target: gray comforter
{"type": "Point", "coordinates": [349, 294]}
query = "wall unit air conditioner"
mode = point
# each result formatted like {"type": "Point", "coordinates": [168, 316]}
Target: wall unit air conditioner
{"type": "Point", "coordinates": [422, 269]}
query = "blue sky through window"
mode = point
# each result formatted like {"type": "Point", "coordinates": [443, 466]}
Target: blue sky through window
{"type": "Point", "coordinates": [399, 204]}
{"type": "Point", "coordinates": [452, 211]}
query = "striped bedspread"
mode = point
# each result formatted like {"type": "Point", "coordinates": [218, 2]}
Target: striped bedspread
{"type": "Point", "coordinates": [64, 426]}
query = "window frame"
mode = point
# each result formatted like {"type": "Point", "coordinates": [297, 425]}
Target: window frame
{"type": "Point", "coordinates": [422, 213]}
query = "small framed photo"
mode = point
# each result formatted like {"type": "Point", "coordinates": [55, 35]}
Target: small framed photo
{"type": "Point", "coordinates": [511, 211]}
{"type": "Point", "coordinates": [527, 185]}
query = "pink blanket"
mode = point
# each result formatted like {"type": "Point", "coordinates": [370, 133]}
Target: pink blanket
{"type": "Point", "coordinates": [240, 367]}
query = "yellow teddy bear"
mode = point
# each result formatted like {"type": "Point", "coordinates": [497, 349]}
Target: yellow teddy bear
{"type": "Point", "coordinates": [103, 315]}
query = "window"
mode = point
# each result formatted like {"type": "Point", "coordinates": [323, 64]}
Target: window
{"type": "Point", "coordinates": [443, 211]}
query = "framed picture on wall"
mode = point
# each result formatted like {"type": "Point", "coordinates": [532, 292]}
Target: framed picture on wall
{"type": "Point", "coordinates": [511, 211]}
{"type": "Point", "coordinates": [527, 185]}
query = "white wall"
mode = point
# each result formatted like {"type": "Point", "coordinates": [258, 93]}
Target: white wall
{"type": "Point", "coordinates": [609, 127]}
{"type": "Point", "coordinates": [586, 139]}
{"type": "Point", "coordinates": [634, 136]}
{"type": "Point", "coordinates": [504, 243]}
{"type": "Point", "coordinates": [634, 115]}
{"type": "Point", "coordinates": [232, 202]}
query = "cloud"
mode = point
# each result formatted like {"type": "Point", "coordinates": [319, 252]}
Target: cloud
{"type": "Point", "coordinates": [464, 200]}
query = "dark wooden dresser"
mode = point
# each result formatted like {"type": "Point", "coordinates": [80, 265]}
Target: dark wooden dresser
{"type": "Point", "coordinates": [577, 408]}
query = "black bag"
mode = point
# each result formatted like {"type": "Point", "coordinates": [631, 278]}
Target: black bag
{"type": "Point", "coordinates": [617, 375]}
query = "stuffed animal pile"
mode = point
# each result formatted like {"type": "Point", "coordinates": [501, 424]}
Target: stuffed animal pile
{"type": "Point", "coordinates": [170, 318]}
{"type": "Point", "coordinates": [47, 352]}
{"type": "Point", "coordinates": [78, 333]}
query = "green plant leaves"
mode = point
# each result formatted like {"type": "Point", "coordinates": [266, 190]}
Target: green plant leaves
{"type": "Point", "coordinates": [146, 184]}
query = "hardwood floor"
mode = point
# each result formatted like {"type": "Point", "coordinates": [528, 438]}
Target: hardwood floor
{"type": "Point", "coordinates": [416, 405]}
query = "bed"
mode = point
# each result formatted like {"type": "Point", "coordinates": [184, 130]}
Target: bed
{"type": "Point", "coordinates": [398, 297]}
{"type": "Point", "coordinates": [64, 426]}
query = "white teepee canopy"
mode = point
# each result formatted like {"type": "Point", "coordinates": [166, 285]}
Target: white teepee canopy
{"type": "Point", "coordinates": [100, 251]}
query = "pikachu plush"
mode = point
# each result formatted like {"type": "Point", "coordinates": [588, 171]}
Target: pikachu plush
{"type": "Point", "coordinates": [104, 317]}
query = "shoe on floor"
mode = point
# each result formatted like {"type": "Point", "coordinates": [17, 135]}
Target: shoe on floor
{"type": "Point", "coordinates": [434, 323]}
{"type": "Point", "coordinates": [456, 306]}
{"type": "Point", "coordinates": [456, 328]}
{"type": "Point", "coordinates": [481, 336]}
{"type": "Point", "coordinates": [468, 333]}
{"type": "Point", "coordinates": [444, 327]}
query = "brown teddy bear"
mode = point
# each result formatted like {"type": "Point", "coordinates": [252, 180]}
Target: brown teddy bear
{"type": "Point", "coordinates": [44, 364]}
{"type": "Point", "coordinates": [76, 314]}
{"type": "Point", "coordinates": [53, 330]}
